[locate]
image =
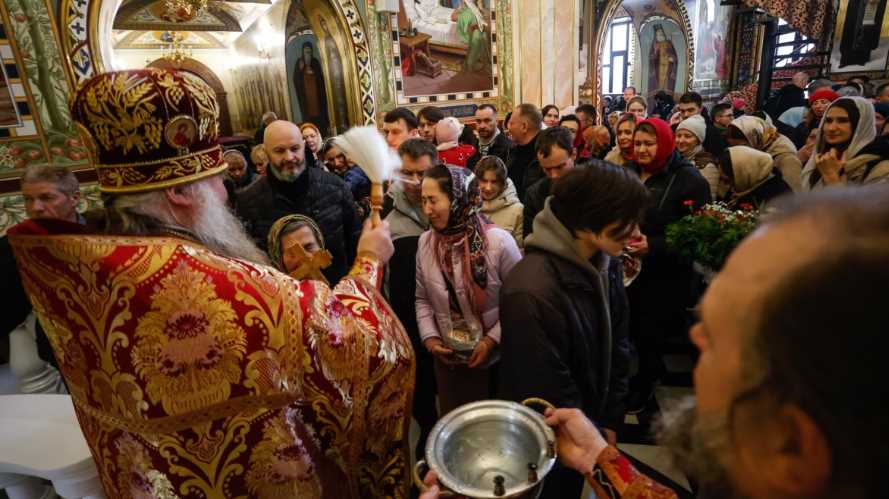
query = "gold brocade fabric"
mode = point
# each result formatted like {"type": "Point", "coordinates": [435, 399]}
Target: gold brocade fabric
{"type": "Point", "coordinates": [199, 376]}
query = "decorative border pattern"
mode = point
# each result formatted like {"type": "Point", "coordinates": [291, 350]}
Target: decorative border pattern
{"type": "Point", "coordinates": [454, 98]}
{"type": "Point", "coordinates": [352, 16]}
{"type": "Point", "coordinates": [25, 126]}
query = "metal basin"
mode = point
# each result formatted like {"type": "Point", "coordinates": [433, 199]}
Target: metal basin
{"type": "Point", "coordinates": [492, 449]}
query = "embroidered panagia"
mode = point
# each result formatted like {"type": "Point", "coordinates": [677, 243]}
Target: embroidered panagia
{"type": "Point", "coordinates": [199, 376]}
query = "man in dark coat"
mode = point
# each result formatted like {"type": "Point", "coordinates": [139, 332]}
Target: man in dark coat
{"type": "Point", "coordinates": [556, 156]}
{"type": "Point", "coordinates": [491, 141]}
{"type": "Point", "coordinates": [563, 308]}
{"type": "Point", "coordinates": [789, 96]}
{"type": "Point", "coordinates": [406, 223]}
{"type": "Point", "coordinates": [524, 125]}
{"type": "Point", "coordinates": [291, 187]}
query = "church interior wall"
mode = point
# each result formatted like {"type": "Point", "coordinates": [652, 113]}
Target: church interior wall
{"type": "Point", "coordinates": [48, 48]}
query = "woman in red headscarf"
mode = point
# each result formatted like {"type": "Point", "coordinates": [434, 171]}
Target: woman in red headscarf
{"type": "Point", "coordinates": [660, 295]}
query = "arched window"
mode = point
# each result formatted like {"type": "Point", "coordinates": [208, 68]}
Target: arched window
{"type": "Point", "coordinates": [617, 56]}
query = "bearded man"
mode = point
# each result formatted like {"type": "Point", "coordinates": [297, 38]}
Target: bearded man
{"type": "Point", "coordinates": [292, 188]}
{"type": "Point", "coordinates": [196, 370]}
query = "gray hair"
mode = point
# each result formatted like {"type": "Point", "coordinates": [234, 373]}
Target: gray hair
{"type": "Point", "coordinates": [64, 180]}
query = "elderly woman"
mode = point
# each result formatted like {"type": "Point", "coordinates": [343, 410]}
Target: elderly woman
{"type": "Point", "coordinates": [237, 168]}
{"type": "Point", "coordinates": [312, 136]}
{"type": "Point", "coordinates": [846, 152]}
{"type": "Point", "coordinates": [760, 134]}
{"type": "Point", "coordinates": [259, 158]}
{"type": "Point", "coordinates": [500, 201]}
{"type": "Point", "coordinates": [296, 246]}
{"type": "Point", "coordinates": [748, 177]}
{"type": "Point", "coordinates": [690, 137]}
{"type": "Point", "coordinates": [461, 264]}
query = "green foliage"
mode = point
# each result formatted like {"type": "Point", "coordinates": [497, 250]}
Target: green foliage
{"type": "Point", "coordinates": [710, 234]}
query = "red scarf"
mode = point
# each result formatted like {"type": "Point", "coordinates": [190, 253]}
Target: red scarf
{"type": "Point", "coordinates": [666, 144]}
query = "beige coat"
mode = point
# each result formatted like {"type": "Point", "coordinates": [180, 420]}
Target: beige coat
{"type": "Point", "coordinates": [505, 212]}
{"type": "Point", "coordinates": [783, 153]}
{"type": "Point", "coordinates": [614, 156]}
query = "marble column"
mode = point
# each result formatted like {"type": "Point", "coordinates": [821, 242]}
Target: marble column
{"type": "Point", "coordinates": [546, 51]}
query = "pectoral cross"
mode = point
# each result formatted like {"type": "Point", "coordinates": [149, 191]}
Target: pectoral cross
{"type": "Point", "coordinates": [310, 266]}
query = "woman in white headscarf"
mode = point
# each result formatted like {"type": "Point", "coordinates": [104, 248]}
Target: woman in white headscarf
{"type": "Point", "coordinates": [760, 134]}
{"type": "Point", "coordinates": [846, 152]}
{"type": "Point", "coordinates": [749, 178]}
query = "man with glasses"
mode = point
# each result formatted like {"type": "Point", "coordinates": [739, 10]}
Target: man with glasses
{"type": "Point", "coordinates": [407, 222]}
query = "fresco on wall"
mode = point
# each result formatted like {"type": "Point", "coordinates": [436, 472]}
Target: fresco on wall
{"type": "Point", "coordinates": [711, 45]}
{"type": "Point", "coordinates": [664, 64]}
{"type": "Point", "coordinates": [446, 46]}
{"type": "Point", "coordinates": [43, 107]}
{"type": "Point", "coordinates": [861, 40]}
{"type": "Point", "coordinates": [315, 76]}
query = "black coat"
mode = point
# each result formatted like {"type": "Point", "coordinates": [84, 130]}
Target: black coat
{"type": "Point", "coordinates": [666, 286]}
{"type": "Point", "coordinates": [680, 181]}
{"type": "Point", "coordinates": [535, 199]}
{"type": "Point", "coordinates": [520, 157]}
{"type": "Point", "coordinates": [500, 147]}
{"type": "Point", "coordinates": [788, 96]}
{"type": "Point", "coordinates": [17, 304]}
{"type": "Point", "coordinates": [553, 346]}
{"type": "Point", "coordinates": [320, 195]}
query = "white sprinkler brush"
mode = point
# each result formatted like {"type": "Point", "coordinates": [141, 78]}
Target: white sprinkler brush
{"type": "Point", "coordinates": [366, 148]}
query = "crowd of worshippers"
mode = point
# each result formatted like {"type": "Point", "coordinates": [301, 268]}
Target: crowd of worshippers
{"type": "Point", "coordinates": [511, 244]}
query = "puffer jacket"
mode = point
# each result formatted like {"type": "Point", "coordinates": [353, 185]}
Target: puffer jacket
{"type": "Point", "coordinates": [433, 304]}
{"type": "Point", "coordinates": [317, 194]}
{"type": "Point", "coordinates": [506, 212]}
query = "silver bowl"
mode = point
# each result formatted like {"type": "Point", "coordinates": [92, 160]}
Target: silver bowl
{"type": "Point", "coordinates": [492, 449]}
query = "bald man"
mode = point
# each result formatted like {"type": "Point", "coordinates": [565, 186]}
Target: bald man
{"type": "Point", "coordinates": [290, 187]}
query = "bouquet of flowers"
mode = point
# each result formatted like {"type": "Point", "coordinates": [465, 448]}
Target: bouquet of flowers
{"type": "Point", "coordinates": [709, 234]}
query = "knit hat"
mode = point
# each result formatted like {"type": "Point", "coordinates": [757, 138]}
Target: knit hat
{"type": "Point", "coordinates": [696, 125]}
{"type": "Point", "coordinates": [824, 93]}
{"type": "Point", "coordinates": [149, 129]}
{"type": "Point", "coordinates": [447, 131]}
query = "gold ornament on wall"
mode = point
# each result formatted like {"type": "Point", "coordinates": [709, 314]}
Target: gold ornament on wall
{"type": "Point", "coordinates": [181, 11]}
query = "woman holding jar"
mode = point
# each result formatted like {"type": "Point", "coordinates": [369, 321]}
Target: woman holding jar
{"type": "Point", "coordinates": [461, 264]}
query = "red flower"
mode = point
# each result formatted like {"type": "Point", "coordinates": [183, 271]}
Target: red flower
{"type": "Point", "coordinates": [746, 206]}
{"type": "Point", "coordinates": [688, 202]}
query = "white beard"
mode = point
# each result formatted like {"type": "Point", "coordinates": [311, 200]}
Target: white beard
{"type": "Point", "coordinates": [220, 230]}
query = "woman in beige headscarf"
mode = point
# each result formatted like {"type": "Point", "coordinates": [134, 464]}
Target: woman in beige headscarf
{"type": "Point", "coordinates": [760, 134]}
{"type": "Point", "coordinates": [748, 178]}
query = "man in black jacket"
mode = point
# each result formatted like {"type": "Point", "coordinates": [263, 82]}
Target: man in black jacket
{"type": "Point", "coordinates": [556, 156]}
{"type": "Point", "coordinates": [789, 96]}
{"type": "Point", "coordinates": [524, 126]}
{"type": "Point", "coordinates": [491, 141]}
{"type": "Point", "coordinates": [563, 309]}
{"type": "Point", "coordinates": [290, 187]}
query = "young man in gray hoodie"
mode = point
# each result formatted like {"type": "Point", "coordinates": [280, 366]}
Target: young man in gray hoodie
{"type": "Point", "coordinates": [563, 309]}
